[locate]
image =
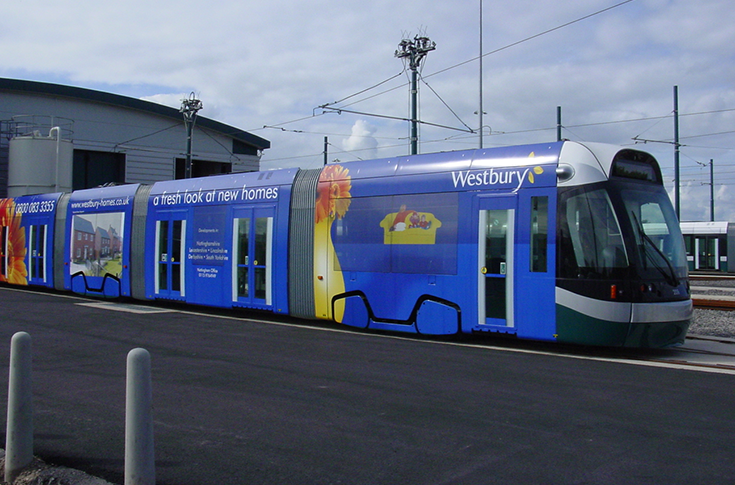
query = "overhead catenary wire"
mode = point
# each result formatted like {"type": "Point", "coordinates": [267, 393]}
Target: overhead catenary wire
{"type": "Point", "coordinates": [529, 130]}
{"type": "Point", "coordinates": [398, 118]}
{"type": "Point", "coordinates": [559, 27]}
{"type": "Point", "coordinates": [500, 49]}
{"type": "Point", "coordinates": [329, 105]}
{"type": "Point", "coordinates": [351, 99]}
{"type": "Point", "coordinates": [445, 103]}
{"type": "Point", "coordinates": [343, 108]}
{"type": "Point", "coordinates": [366, 89]}
{"type": "Point", "coordinates": [598, 12]}
{"type": "Point", "coordinates": [176, 125]}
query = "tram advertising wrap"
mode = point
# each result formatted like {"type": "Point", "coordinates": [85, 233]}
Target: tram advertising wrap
{"type": "Point", "coordinates": [97, 259]}
{"type": "Point", "coordinates": [26, 239]}
{"type": "Point", "coordinates": [213, 241]}
{"type": "Point", "coordinates": [562, 242]}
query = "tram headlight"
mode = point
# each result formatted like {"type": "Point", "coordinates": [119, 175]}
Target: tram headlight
{"type": "Point", "coordinates": [564, 172]}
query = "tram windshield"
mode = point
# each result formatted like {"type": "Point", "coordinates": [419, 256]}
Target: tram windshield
{"type": "Point", "coordinates": [657, 233]}
{"type": "Point", "coordinates": [616, 230]}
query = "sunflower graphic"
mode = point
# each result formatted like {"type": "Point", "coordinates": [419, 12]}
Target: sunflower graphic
{"type": "Point", "coordinates": [332, 202]}
{"type": "Point", "coordinates": [12, 245]}
{"type": "Point", "coordinates": [333, 193]}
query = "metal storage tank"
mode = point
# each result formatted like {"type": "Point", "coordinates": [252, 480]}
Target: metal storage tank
{"type": "Point", "coordinates": [40, 164]}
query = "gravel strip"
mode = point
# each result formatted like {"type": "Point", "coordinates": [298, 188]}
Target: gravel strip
{"type": "Point", "coordinates": [713, 323]}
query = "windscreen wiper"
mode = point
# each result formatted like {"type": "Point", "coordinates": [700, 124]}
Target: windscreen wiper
{"type": "Point", "coordinates": [669, 277]}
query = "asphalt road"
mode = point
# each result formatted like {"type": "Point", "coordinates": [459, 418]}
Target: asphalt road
{"type": "Point", "coordinates": [240, 402]}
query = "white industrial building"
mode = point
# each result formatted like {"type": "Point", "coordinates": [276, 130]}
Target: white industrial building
{"type": "Point", "coordinates": [64, 137]}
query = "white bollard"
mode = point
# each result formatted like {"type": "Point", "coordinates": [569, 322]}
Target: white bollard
{"type": "Point", "coordinates": [140, 468]}
{"type": "Point", "coordinates": [19, 435]}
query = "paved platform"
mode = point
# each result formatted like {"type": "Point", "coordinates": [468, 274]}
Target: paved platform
{"type": "Point", "coordinates": [246, 401]}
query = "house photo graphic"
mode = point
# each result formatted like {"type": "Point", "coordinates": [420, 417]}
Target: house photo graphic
{"type": "Point", "coordinates": [97, 243]}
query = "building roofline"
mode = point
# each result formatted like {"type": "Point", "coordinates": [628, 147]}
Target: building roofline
{"type": "Point", "coordinates": [50, 89]}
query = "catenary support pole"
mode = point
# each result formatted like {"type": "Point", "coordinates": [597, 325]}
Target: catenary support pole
{"type": "Point", "coordinates": [415, 51]}
{"type": "Point", "coordinates": [414, 112]}
{"type": "Point", "coordinates": [480, 112]}
{"type": "Point", "coordinates": [140, 466]}
{"type": "Point", "coordinates": [558, 123]}
{"type": "Point", "coordinates": [711, 190]}
{"type": "Point", "coordinates": [326, 148]}
{"type": "Point", "coordinates": [677, 202]}
{"type": "Point", "coordinates": [19, 436]}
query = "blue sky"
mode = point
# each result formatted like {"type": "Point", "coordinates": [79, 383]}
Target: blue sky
{"type": "Point", "coordinates": [272, 64]}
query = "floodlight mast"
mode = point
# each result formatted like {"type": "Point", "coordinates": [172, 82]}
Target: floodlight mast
{"type": "Point", "coordinates": [415, 51]}
{"type": "Point", "coordinates": [189, 108]}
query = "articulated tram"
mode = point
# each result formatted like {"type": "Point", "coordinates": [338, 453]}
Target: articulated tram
{"type": "Point", "coordinates": [562, 242]}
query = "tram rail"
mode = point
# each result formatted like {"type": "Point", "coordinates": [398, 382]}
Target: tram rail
{"type": "Point", "coordinates": [717, 297]}
{"type": "Point", "coordinates": [713, 303]}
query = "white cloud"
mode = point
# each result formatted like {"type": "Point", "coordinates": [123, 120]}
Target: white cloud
{"type": "Point", "coordinates": [361, 140]}
{"type": "Point", "coordinates": [171, 100]}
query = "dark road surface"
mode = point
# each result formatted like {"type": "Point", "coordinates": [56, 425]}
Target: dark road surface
{"type": "Point", "coordinates": [247, 402]}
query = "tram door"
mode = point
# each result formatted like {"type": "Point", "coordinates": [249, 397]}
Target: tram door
{"type": "Point", "coordinates": [37, 252]}
{"type": "Point", "coordinates": [707, 250]}
{"type": "Point", "coordinates": [495, 261]}
{"type": "Point", "coordinates": [169, 275]}
{"type": "Point", "coordinates": [253, 247]}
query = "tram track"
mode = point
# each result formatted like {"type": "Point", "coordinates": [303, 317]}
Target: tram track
{"type": "Point", "coordinates": [713, 297]}
{"type": "Point", "coordinates": [701, 352]}
{"type": "Point", "coordinates": [713, 291]}
{"type": "Point", "coordinates": [713, 304]}
{"type": "Point", "coordinates": [698, 276]}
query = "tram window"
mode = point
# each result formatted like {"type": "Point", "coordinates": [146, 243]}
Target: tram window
{"type": "Point", "coordinates": [260, 283]}
{"type": "Point", "coordinates": [689, 244]}
{"type": "Point", "coordinates": [41, 240]}
{"type": "Point", "coordinates": [243, 241]}
{"type": "Point", "coordinates": [496, 235]}
{"type": "Point", "coordinates": [176, 253]}
{"type": "Point", "coordinates": [638, 171]}
{"type": "Point", "coordinates": [632, 164]}
{"type": "Point", "coordinates": [163, 256]}
{"type": "Point", "coordinates": [590, 242]}
{"type": "Point", "coordinates": [723, 245]}
{"type": "Point", "coordinates": [539, 233]}
{"type": "Point", "coordinates": [36, 246]}
{"type": "Point", "coordinates": [261, 245]}
{"type": "Point", "coordinates": [243, 256]}
{"type": "Point", "coordinates": [261, 240]}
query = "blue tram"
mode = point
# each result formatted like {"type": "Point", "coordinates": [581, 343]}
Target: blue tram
{"type": "Point", "coordinates": [562, 242]}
